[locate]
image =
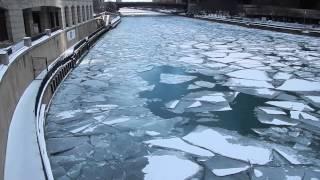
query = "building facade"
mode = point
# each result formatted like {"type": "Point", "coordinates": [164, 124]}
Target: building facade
{"type": "Point", "coordinates": [287, 10]}
{"type": "Point", "coordinates": [21, 18]}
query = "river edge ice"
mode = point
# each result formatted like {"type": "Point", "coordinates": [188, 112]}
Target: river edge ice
{"type": "Point", "coordinates": [132, 106]}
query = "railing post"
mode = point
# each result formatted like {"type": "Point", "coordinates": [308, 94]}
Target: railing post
{"type": "Point", "coordinates": [4, 57]}
{"type": "Point", "coordinates": [27, 41]}
{"type": "Point", "coordinates": [108, 20]}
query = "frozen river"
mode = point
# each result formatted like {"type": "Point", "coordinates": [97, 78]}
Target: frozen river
{"type": "Point", "coordinates": [170, 98]}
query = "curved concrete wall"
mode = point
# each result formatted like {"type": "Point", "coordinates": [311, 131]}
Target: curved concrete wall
{"type": "Point", "coordinates": [20, 73]}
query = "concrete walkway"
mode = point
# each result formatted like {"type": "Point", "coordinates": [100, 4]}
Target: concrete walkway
{"type": "Point", "coordinates": [23, 157]}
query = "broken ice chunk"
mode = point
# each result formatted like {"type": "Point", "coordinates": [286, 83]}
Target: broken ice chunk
{"type": "Point", "coordinates": [248, 83]}
{"type": "Point", "coordinates": [195, 104]}
{"type": "Point", "coordinates": [250, 74]}
{"type": "Point", "coordinates": [67, 114]}
{"type": "Point", "coordinates": [172, 104]}
{"type": "Point", "coordinates": [80, 128]}
{"type": "Point", "coordinates": [175, 78]}
{"type": "Point", "coordinates": [282, 76]}
{"type": "Point", "coordinates": [212, 98]}
{"type": "Point", "coordinates": [192, 86]}
{"type": "Point", "coordinates": [299, 85]}
{"type": "Point", "coordinates": [116, 121]}
{"type": "Point", "coordinates": [178, 144]}
{"type": "Point", "coordinates": [204, 84]}
{"type": "Point", "coordinates": [296, 106]}
{"type": "Point", "coordinates": [289, 155]}
{"type": "Point", "coordinates": [228, 145]}
{"type": "Point", "coordinates": [192, 60]}
{"type": "Point", "coordinates": [272, 110]}
{"type": "Point", "coordinates": [152, 133]}
{"type": "Point", "coordinates": [215, 54]}
{"type": "Point", "coordinates": [241, 55]}
{"type": "Point", "coordinates": [169, 167]}
{"type": "Point", "coordinates": [257, 173]}
{"type": "Point", "coordinates": [314, 99]}
{"type": "Point", "coordinates": [276, 121]}
{"type": "Point", "coordinates": [222, 166]}
{"type": "Point", "coordinates": [297, 114]}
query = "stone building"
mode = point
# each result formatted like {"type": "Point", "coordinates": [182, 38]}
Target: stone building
{"type": "Point", "coordinates": [307, 11]}
{"type": "Point", "coordinates": [20, 18]}
{"type": "Point", "coordinates": [304, 11]}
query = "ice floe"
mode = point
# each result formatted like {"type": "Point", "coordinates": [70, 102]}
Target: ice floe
{"type": "Point", "coordinates": [250, 74]}
{"type": "Point", "coordinates": [248, 83]}
{"type": "Point", "coordinates": [227, 145]}
{"type": "Point", "coordinates": [290, 156]}
{"type": "Point", "coordinates": [297, 114]}
{"type": "Point", "coordinates": [169, 167]}
{"type": "Point", "coordinates": [192, 60]}
{"type": "Point", "coordinates": [152, 133]}
{"type": "Point", "coordinates": [279, 122]}
{"type": "Point", "coordinates": [223, 166]}
{"type": "Point", "coordinates": [212, 98]}
{"type": "Point", "coordinates": [192, 86]}
{"type": "Point", "coordinates": [289, 105]}
{"type": "Point", "coordinates": [178, 144]}
{"type": "Point", "coordinates": [204, 84]}
{"type": "Point", "coordinates": [195, 104]}
{"type": "Point", "coordinates": [175, 78]}
{"type": "Point", "coordinates": [272, 110]}
{"type": "Point", "coordinates": [172, 104]}
{"type": "Point", "coordinates": [80, 128]}
{"type": "Point", "coordinates": [116, 121]}
{"type": "Point", "coordinates": [299, 85]}
{"type": "Point", "coordinates": [257, 173]}
{"type": "Point", "coordinates": [67, 114]}
{"type": "Point", "coordinates": [282, 76]}
{"type": "Point", "coordinates": [214, 54]}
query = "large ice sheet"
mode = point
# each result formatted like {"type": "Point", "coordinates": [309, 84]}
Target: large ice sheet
{"type": "Point", "coordinates": [227, 145]}
{"type": "Point", "coordinates": [178, 144]}
{"type": "Point", "coordinates": [175, 78]}
{"type": "Point", "coordinates": [250, 74]}
{"type": "Point", "coordinates": [169, 167]}
{"type": "Point", "coordinates": [300, 85]}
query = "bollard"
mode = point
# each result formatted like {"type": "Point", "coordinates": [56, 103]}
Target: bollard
{"type": "Point", "coordinates": [108, 22]}
{"type": "Point", "coordinates": [27, 41]}
{"type": "Point", "coordinates": [4, 57]}
{"type": "Point", "coordinates": [48, 32]}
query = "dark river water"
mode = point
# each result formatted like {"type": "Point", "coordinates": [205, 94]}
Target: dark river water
{"type": "Point", "coordinates": [169, 98]}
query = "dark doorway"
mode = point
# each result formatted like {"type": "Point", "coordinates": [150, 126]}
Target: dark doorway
{"type": "Point", "coordinates": [3, 25]}
{"type": "Point", "coordinates": [36, 20]}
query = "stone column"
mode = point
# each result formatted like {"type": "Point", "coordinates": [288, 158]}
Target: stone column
{"type": "Point", "coordinates": [44, 19]}
{"type": "Point", "coordinates": [16, 25]}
